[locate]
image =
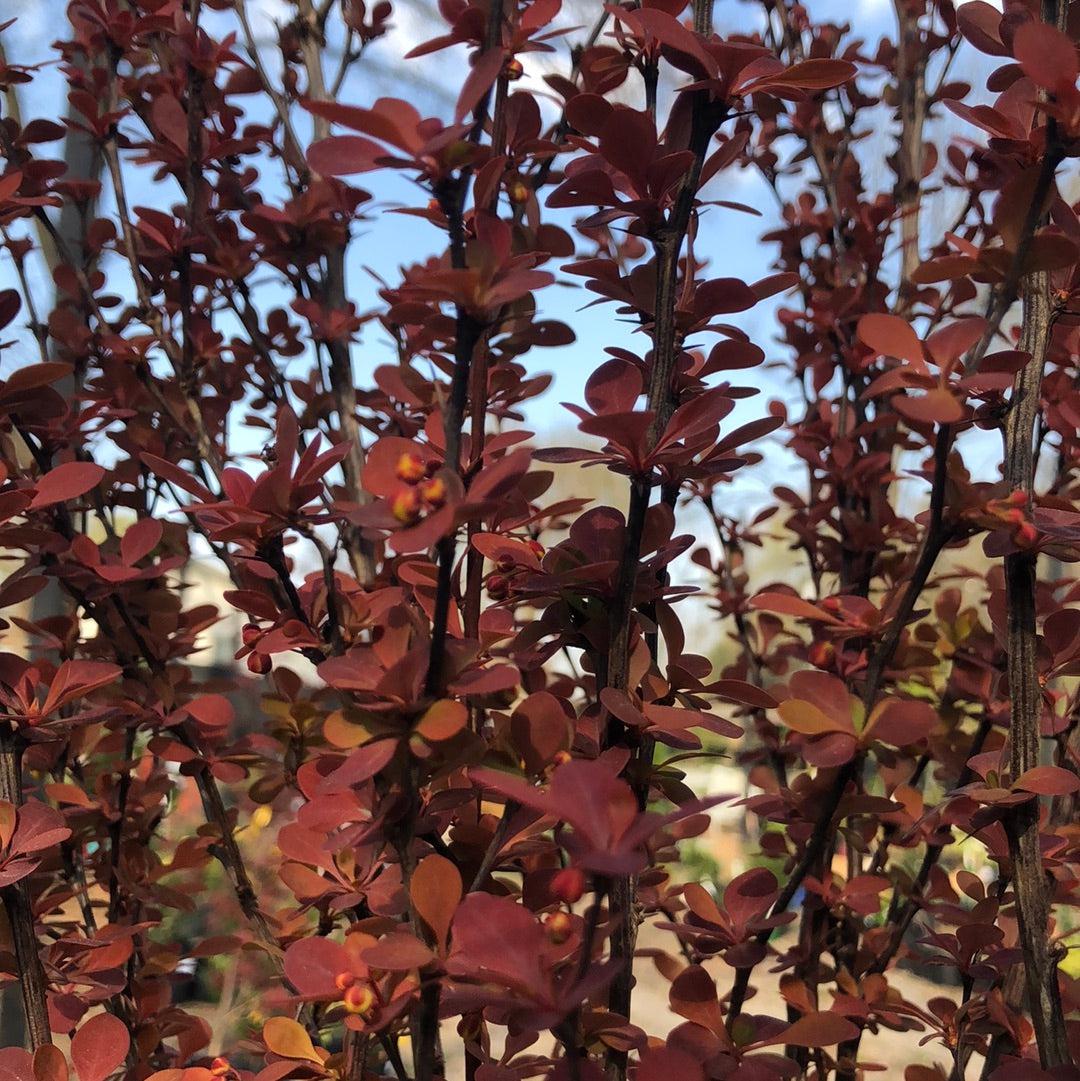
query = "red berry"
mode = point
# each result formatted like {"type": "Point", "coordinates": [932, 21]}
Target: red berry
{"type": "Point", "coordinates": [568, 885]}
{"type": "Point", "coordinates": [259, 663]}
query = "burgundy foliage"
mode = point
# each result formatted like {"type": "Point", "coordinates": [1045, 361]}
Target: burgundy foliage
{"type": "Point", "coordinates": [479, 789]}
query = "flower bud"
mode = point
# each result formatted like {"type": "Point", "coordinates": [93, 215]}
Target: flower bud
{"type": "Point", "coordinates": [410, 468]}
{"type": "Point", "coordinates": [405, 506]}
{"type": "Point", "coordinates": [433, 492]}
{"type": "Point", "coordinates": [1026, 536]}
{"type": "Point", "coordinates": [821, 654]}
{"type": "Point", "coordinates": [359, 999]}
{"type": "Point", "coordinates": [559, 927]}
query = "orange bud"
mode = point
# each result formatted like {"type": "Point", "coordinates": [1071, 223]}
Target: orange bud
{"type": "Point", "coordinates": [559, 927]}
{"type": "Point", "coordinates": [821, 654]}
{"type": "Point", "coordinates": [560, 758]}
{"type": "Point", "coordinates": [518, 192]}
{"type": "Point", "coordinates": [405, 505]}
{"type": "Point", "coordinates": [1026, 536]}
{"type": "Point", "coordinates": [513, 70]}
{"type": "Point", "coordinates": [410, 468]}
{"type": "Point", "coordinates": [359, 999]}
{"type": "Point", "coordinates": [536, 548]}
{"type": "Point", "coordinates": [433, 491]}
{"type": "Point", "coordinates": [219, 1067]}
{"type": "Point", "coordinates": [1019, 498]}
{"type": "Point", "coordinates": [344, 980]}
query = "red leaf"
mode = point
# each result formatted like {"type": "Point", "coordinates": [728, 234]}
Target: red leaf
{"type": "Point", "coordinates": [666, 1064]}
{"type": "Point", "coordinates": [341, 155]}
{"type": "Point", "coordinates": [485, 71]}
{"type": "Point", "coordinates": [1047, 56]}
{"type": "Point", "coordinates": [936, 406]}
{"type": "Point", "coordinates": [211, 710]}
{"type": "Point", "coordinates": [787, 604]}
{"type": "Point", "coordinates": [67, 481]}
{"type": "Point", "coordinates": [33, 376]}
{"type": "Point", "coordinates": [15, 1064]}
{"type": "Point", "coordinates": [891, 336]}
{"type": "Point", "coordinates": [436, 890]}
{"type": "Point", "coordinates": [10, 302]}
{"type": "Point", "coordinates": [693, 996]}
{"type": "Point", "coordinates": [1048, 781]}
{"type": "Point", "coordinates": [139, 540]}
{"type": "Point", "coordinates": [99, 1047]}
{"type": "Point", "coordinates": [821, 1029]}
{"type": "Point", "coordinates": [900, 722]}
{"type": "Point", "coordinates": [398, 952]}
{"type": "Point", "coordinates": [817, 74]}
{"type": "Point", "coordinates": [313, 964]}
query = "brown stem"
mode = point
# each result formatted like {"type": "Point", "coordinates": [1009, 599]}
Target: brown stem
{"type": "Point", "coordinates": [231, 859]}
{"type": "Point", "coordinates": [1030, 885]}
{"type": "Point", "coordinates": [668, 238]}
{"type": "Point", "coordinates": [19, 907]}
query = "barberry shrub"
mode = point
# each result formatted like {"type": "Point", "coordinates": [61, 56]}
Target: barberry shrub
{"type": "Point", "coordinates": [482, 712]}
